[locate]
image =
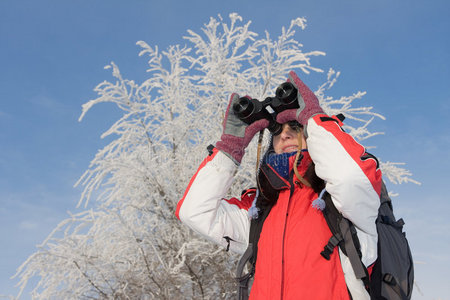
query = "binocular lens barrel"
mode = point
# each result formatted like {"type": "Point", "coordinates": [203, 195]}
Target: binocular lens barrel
{"type": "Point", "coordinates": [286, 92]}
{"type": "Point", "coordinates": [243, 108]}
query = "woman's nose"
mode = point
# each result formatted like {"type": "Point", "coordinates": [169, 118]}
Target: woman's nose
{"type": "Point", "coordinates": [285, 133]}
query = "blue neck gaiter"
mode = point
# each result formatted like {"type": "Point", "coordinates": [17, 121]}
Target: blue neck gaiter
{"type": "Point", "coordinates": [280, 163]}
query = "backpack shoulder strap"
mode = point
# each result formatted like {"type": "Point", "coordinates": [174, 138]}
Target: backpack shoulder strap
{"type": "Point", "coordinates": [344, 236]}
{"type": "Point", "coordinates": [243, 279]}
{"type": "Point", "coordinates": [250, 254]}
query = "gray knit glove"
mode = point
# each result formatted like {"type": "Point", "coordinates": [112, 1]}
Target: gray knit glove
{"type": "Point", "coordinates": [236, 134]}
{"type": "Point", "coordinates": [308, 103]}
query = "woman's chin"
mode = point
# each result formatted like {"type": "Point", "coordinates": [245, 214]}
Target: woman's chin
{"type": "Point", "coordinates": [290, 149]}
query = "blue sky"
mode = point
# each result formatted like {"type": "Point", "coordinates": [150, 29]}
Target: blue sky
{"type": "Point", "coordinates": [52, 55]}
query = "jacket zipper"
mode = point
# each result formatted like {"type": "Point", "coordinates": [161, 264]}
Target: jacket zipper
{"type": "Point", "coordinates": [292, 188]}
{"type": "Point", "coordinates": [282, 254]}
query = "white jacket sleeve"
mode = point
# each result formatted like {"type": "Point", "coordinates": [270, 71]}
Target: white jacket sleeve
{"type": "Point", "coordinates": [352, 178]}
{"type": "Point", "coordinates": [205, 210]}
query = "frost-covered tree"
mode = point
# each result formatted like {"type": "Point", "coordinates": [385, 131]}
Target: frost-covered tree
{"type": "Point", "coordinates": [130, 244]}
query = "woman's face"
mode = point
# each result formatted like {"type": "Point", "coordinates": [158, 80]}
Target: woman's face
{"type": "Point", "coordinates": [287, 140]}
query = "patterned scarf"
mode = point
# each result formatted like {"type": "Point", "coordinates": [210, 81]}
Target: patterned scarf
{"type": "Point", "coordinates": [280, 163]}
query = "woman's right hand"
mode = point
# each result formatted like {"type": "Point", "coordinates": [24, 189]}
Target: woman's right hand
{"type": "Point", "coordinates": [236, 134]}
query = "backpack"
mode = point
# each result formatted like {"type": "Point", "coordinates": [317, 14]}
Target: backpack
{"type": "Point", "coordinates": [392, 274]}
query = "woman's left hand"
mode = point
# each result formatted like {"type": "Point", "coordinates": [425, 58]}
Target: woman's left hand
{"type": "Point", "coordinates": [307, 101]}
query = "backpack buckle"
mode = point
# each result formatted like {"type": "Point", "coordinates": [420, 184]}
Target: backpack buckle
{"type": "Point", "coordinates": [329, 247]}
{"type": "Point", "coordinates": [389, 279]}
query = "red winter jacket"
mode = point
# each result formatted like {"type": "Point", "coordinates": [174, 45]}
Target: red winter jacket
{"type": "Point", "coordinates": [289, 264]}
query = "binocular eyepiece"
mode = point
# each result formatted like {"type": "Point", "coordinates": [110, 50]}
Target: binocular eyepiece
{"type": "Point", "coordinates": [251, 110]}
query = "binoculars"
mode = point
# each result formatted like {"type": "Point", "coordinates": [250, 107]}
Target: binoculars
{"type": "Point", "coordinates": [251, 110]}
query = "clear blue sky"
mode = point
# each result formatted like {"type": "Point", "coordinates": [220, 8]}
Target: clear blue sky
{"type": "Point", "coordinates": [52, 55]}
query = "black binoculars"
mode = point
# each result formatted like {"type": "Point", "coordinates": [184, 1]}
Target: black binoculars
{"type": "Point", "coordinates": [251, 110]}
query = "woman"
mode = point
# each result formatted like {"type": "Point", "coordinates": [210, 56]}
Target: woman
{"type": "Point", "coordinates": [289, 264]}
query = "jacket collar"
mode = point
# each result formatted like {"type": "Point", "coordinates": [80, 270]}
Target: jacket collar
{"type": "Point", "coordinates": [277, 181]}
